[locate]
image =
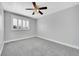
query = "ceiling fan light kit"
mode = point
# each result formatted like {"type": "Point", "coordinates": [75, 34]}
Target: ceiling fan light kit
{"type": "Point", "coordinates": [36, 8]}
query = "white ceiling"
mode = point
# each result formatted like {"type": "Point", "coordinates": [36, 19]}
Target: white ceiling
{"type": "Point", "coordinates": [19, 7]}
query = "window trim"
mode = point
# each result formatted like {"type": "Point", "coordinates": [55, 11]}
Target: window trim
{"type": "Point", "coordinates": [18, 24]}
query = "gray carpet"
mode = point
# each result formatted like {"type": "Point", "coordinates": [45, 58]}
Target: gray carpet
{"type": "Point", "coordinates": [37, 47]}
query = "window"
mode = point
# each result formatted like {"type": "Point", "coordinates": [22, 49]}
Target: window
{"type": "Point", "coordinates": [19, 23]}
{"type": "Point", "coordinates": [14, 23]}
{"type": "Point", "coordinates": [25, 24]}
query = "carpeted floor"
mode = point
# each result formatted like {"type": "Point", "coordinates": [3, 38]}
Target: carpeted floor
{"type": "Point", "coordinates": [37, 47]}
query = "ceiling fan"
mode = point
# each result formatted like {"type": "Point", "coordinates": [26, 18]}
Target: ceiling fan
{"type": "Point", "coordinates": [36, 8]}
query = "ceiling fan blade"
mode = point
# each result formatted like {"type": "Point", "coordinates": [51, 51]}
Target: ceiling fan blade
{"type": "Point", "coordinates": [40, 12]}
{"type": "Point", "coordinates": [34, 4]}
{"type": "Point", "coordinates": [42, 8]}
{"type": "Point", "coordinates": [29, 9]}
{"type": "Point", "coordinates": [33, 13]}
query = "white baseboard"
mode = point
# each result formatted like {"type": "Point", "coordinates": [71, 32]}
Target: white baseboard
{"type": "Point", "coordinates": [18, 39]}
{"type": "Point", "coordinates": [13, 41]}
{"type": "Point", "coordinates": [1, 48]}
{"type": "Point", "coordinates": [65, 44]}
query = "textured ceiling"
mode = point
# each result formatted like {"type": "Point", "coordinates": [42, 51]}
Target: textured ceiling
{"type": "Point", "coordinates": [19, 7]}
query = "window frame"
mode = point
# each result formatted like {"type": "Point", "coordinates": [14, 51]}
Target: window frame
{"type": "Point", "coordinates": [14, 17]}
{"type": "Point", "coordinates": [25, 25]}
{"type": "Point", "coordinates": [12, 23]}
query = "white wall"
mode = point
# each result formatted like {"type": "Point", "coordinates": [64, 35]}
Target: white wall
{"type": "Point", "coordinates": [11, 35]}
{"type": "Point", "coordinates": [1, 28]}
{"type": "Point", "coordinates": [62, 26]}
